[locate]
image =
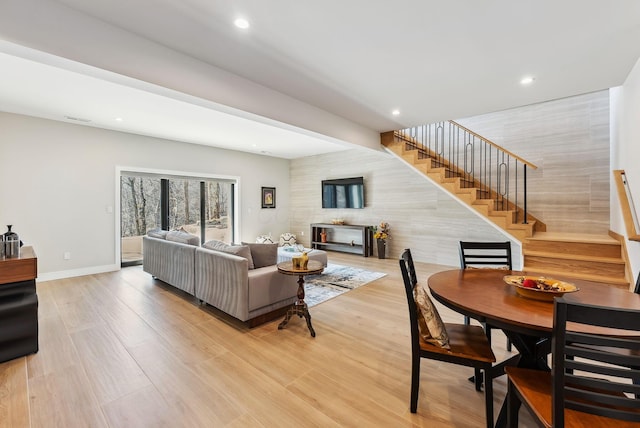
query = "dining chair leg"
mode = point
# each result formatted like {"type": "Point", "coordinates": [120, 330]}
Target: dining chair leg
{"type": "Point", "coordinates": [488, 397]}
{"type": "Point", "coordinates": [513, 406]}
{"type": "Point", "coordinates": [487, 331]}
{"type": "Point", "coordinates": [477, 379]}
{"type": "Point", "coordinates": [415, 382]}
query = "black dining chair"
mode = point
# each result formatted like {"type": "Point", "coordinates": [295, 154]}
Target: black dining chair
{"type": "Point", "coordinates": [486, 255]}
{"type": "Point", "coordinates": [591, 383]}
{"type": "Point", "coordinates": [469, 345]}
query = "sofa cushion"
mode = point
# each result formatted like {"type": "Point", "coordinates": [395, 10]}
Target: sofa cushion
{"type": "Point", "coordinates": [238, 250]}
{"type": "Point", "coordinates": [157, 233]}
{"type": "Point", "coordinates": [263, 254]}
{"type": "Point", "coordinates": [183, 237]}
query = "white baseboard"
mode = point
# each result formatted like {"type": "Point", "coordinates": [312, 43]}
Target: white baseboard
{"type": "Point", "coordinates": [50, 276]}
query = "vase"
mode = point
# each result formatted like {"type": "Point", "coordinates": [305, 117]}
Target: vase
{"type": "Point", "coordinates": [323, 236]}
{"type": "Point", "coordinates": [381, 248]}
{"type": "Point", "coordinates": [11, 244]}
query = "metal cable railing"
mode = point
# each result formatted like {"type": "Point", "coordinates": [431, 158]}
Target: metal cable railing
{"type": "Point", "coordinates": [497, 173]}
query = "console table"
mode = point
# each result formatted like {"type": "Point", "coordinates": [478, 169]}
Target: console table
{"type": "Point", "coordinates": [18, 305]}
{"type": "Point", "coordinates": [348, 238]}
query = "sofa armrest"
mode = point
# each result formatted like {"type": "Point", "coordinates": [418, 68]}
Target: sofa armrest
{"type": "Point", "coordinates": [171, 262]}
{"type": "Point", "coordinates": [222, 281]}
{"type": "Point", "coordinates": [268, 287]}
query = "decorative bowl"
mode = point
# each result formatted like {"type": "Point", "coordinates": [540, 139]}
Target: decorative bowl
{"type": "Point", "coordinates": [539, 287]}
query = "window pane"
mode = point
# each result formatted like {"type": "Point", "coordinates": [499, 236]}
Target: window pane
{"type": "Point", "coordinates": [184, 205]}
{"type": "Point", "coordinates": [139, 212]}
{"type": "Point", "coordinates": [218, 224]}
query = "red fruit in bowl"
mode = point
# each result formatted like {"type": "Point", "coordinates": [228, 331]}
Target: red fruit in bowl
{"type": "Point", "coordinates": [529, 283]}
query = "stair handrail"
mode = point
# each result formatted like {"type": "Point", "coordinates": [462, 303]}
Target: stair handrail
{"type": "Point", "coordinates": [497, 146]}
{"type": "Point", "coordinates": [461, 151]}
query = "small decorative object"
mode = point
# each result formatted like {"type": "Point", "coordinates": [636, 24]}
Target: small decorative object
{"type": "Point", "coordinates": [300, 262]}
{"type": "Point", "coordinates": [323, 236]}
{"type": "Point", "coordinates": [540, 288]}
{"type": "Point", "coordinates": [338, 221]}
{"type": "Point", "coordinates": [381, 234]}
{"type": "Point", "coordinates": [12, 244]}
{"type": "Point", "coordinates": [268, 197]}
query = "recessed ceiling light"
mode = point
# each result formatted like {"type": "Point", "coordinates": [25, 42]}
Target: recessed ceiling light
{"type": "Point", "coordinates": [396, 112]}
{"type": "Point", "coordinates": [118, 119]}
{"type": "Point", "coordinates": [241, 23]}
{"type": "Point", "coordinates": [527, 80]}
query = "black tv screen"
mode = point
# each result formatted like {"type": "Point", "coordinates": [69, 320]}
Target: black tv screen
{"type": "Point", "coordinates": [343, 193]}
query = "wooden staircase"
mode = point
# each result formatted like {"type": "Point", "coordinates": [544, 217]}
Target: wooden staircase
{"type": "Point", "coordinates": [597, 258]}
{"type": "Point", "coordinates": [468, 192]}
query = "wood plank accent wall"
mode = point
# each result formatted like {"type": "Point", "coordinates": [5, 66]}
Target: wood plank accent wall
{"type": "Point", "coordinates": [569, 141]}
{"type": "Point", "coordinates": [421, 216]}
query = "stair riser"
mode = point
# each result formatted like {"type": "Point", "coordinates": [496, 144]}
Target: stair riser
{"type": "Point", "coordinates": [577, 248]}
{"type": "Point", "coordinates": [575, 266]}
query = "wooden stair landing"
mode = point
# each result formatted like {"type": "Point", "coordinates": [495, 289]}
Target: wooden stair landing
{"type": "Point", "coordinates": [584, 256]}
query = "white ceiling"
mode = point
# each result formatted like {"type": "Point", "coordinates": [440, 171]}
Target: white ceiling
{"type": "Point", "coordinates": [357, 59]}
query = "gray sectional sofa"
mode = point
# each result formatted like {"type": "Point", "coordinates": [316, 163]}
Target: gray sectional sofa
{"type": "Point", "coordinates": [240, 280]}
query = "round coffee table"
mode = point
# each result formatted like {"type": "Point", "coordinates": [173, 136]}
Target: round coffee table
{"type": "Point", "coordinates": [300, 307]}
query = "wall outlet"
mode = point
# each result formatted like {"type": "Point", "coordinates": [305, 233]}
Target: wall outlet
{"type": "Point", "coordinates": [67, 255]}
{"type": "Point", "coordinates": [301, 233]}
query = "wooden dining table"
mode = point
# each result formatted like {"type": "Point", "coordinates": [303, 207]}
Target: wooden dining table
{"type": "Point", "coordinates": [483, 294]}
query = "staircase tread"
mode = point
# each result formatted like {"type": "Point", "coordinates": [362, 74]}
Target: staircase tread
{"type": "Point", "coordinates": [574, 237]}
{"type": "Point", "coordinates": [522, 226]}
{"type": "Point", "coordinates": [577, 275]}
{"type": "Point", "coordinates": [567, 256]}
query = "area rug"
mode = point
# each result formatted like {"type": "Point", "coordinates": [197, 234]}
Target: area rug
{"type": "Point", "coordinates": [334, 281]}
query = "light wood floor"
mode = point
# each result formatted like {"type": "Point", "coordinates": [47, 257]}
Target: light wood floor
{"type": "Point", "coordinates": [123, 350]}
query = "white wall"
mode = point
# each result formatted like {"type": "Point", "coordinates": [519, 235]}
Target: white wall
{"type": "Point", "coordinates": [57, 181]}
{"type": "Point", "coordinates": [625, 154]}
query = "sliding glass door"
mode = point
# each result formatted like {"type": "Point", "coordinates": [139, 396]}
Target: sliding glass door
{"type": "Point", "coordinates": [202, 207]}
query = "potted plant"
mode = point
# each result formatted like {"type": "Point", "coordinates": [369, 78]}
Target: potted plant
{"type": "Point", "coordinates": [381, 234]}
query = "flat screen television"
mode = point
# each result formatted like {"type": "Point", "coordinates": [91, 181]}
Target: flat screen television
{"type": "Point", "coordinates": [343, 193]}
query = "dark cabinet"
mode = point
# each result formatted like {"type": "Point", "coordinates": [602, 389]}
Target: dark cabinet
{"type": "Point", "coordinates": [18, 305]}
{"type": "Point", "coordinates": [348, 238]}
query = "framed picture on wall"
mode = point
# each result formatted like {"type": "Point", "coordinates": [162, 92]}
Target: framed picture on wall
{"type": "Point", "coordinates": [268, 197]}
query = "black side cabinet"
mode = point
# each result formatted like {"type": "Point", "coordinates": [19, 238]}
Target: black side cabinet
{"type": "Point", "coordinates": [18, 306]}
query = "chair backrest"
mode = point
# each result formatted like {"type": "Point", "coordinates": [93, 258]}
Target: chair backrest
{"type": "Point", "coordinates": [410, 280]}
{"type": "Point", "coordinates": [487, 254]}
{"type": "Point", "coordinates": [594, 373]}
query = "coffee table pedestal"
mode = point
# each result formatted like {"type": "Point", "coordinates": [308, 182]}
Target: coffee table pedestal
{"type": "Point", "coordinates": [300, 307]}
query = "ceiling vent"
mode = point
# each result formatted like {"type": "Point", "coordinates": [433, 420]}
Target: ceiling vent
{"type": "Point", "coordinates": [78, 119]}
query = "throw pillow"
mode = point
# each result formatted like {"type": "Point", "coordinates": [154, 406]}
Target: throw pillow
{"type": "Point", "coordinates": [430, 324]}
{"type": "Point", "coordinates": [157, 233]}
{"type": "Point", "coordinates": [237, 250]}
{"type": "Point", "coordinates": [263, 254]}
{"type": "Point", "coordinates": [264, 239]}
{"type": "Point", "coordinates": [183, 237]}
{"type": "Point", "coordinates": [287, 240]}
